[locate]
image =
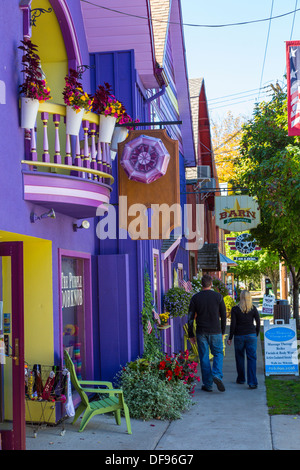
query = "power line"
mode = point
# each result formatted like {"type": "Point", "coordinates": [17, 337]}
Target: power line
{"type": "Point", "coordinates": [233, 99]}
{"type": "Point", "coordinates": [232, 104]}
{"type": "Point", "coordinates": [189, 24]}
{"type": "Point", "coordinates": [293, 23]}
{"type": "Point", "coordinates": [267, 41]}
{"type": "Point", "coordinates": [235, 94]}
{"type": "Point", "coordinates": [292, 29]}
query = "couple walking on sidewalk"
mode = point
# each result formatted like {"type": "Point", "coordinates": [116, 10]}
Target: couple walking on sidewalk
{"type": "Point", "coordinates": [207, 307]}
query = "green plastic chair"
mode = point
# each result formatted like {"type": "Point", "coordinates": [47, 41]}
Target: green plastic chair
{"type": "Point", "coordinates": [113, 403]}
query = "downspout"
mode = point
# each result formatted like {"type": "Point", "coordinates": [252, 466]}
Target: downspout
{"type": "Point", "coordinates": [157, 95]}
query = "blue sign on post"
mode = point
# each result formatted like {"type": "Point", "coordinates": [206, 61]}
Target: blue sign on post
{"type": "Point", "coordinates": [281, 353]}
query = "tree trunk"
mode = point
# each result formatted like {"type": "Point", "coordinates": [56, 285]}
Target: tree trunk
{"type": "Point", "coordinates": [295, 288]}
{"type": "Point", "coordinates": [273, 275]}
{"type": "Point", "coordinates": [296, 303]}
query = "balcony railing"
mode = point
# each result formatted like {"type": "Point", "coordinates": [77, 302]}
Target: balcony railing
{"type": "Point", "coordinates": [80, 166]}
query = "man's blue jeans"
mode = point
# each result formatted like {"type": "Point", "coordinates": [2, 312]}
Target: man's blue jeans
{"type": "Point", "coordinates": [215, 343]}
{"type": "Point", "coordinates": [246, 344]}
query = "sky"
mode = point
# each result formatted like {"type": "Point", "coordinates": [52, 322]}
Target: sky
{"type": "Point", "coordinates": [238, 60]}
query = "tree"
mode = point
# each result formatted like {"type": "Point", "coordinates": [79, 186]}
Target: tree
{"type": "Point", "coordinates": [269, 168]}
{"type": "Point", "coordinates": [246, 271]}
{"type": "Point", "coordinates": [226, 137]}
{"type": "Point", "coordinates": [268, 264]}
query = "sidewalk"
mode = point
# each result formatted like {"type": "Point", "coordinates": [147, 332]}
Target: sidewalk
{"type": "Point", "coordinates": [234, 420]}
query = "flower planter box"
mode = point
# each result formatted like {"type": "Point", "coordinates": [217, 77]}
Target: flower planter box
{"type": "Point", "coordinates": [29, 111]}
{"type": "Point", "coordinates": [106, 129]}
{"type": "Point", "coordinates": [73, 120]}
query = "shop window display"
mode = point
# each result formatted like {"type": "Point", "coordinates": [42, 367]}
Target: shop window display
{"type": "Point", "coordinates": [73, 315]}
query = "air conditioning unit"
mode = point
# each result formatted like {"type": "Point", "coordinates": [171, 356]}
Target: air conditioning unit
{"type": "Point", "coordinates": [203, 172]}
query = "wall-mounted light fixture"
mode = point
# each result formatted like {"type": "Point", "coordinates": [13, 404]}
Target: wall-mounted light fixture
{"type": "Point", "coordinates": [84, 224]}
{"type": "Point", "coordinates": [34, 217]}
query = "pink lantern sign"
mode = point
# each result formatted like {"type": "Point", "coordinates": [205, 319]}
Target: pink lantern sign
{"type": "Point", "coordinates": [145, 159]}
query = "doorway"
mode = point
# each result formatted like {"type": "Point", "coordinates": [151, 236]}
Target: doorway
{"type": "Point", "coordinates": [12, 397]}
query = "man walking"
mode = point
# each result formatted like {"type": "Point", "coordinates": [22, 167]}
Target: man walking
{"type": "Point", "coordinates": [208, 307]}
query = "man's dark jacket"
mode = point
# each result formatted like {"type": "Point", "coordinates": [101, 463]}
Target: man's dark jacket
{"type": "Point", "coordinates": [208, 307]}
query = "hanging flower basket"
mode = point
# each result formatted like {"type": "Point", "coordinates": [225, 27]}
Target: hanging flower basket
{"type": "Point", "coordinates": [106, 129]}
{"type": "Point", "coordinates": [34, 89]}
{"type": "Point", "coordinates": [29, 111]}
{"type": "Point", "coordinates": [74, 120]}
{"type": "Point", "coordinates": [119, 135]}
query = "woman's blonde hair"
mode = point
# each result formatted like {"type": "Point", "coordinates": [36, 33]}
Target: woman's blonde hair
{"type": "Point", "coordinates": [245, 301]}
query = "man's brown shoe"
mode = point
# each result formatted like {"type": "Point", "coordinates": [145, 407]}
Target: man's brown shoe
{"type": "Point", "coordinates": [219, 384]}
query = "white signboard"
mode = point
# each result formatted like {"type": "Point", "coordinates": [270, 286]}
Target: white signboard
{"type": "Point", "coordinates": [236, 213]}
{"type": "Point", "coordinates": [2, 350]}
{"type": "Point", "coordinates": [268, 304]}
{"type": "Point", "coordinates": [281, 354]}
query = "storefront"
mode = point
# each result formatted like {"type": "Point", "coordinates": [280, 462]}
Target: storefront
{"type": "Point", "coordinates": [33, 332]}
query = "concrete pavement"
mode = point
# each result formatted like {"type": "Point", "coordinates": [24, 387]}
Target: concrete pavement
{"type": "Point", "coordinates": [236, 419]}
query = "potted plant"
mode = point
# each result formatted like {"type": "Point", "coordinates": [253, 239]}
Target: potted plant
{"type": "Point", "coordinates": [121, 132]}
{"type": "Point", "coordinates": [110, 110]}
{"type": "Point", "coordinates": [164, 318]}
{"type": "Point", "coordinates": [77, 101]}
{"type": "Point", "coordinates": [177, 301]}
{"type": "Point", "coordinates": [34, 90]}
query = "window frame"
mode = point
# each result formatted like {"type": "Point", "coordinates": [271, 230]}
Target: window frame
{"type": "Point", "coordinates": [87, 300]}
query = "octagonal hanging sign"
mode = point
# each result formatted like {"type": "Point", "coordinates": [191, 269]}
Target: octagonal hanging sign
{"type": "Point", "coordinates": [145, 159]}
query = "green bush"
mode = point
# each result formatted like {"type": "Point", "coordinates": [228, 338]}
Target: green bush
{"type": "Point", "coordinates": [152, 341]}
{"type": "Point", "coordinates": [177, 301]}
{"type": "Point", "coordinates": [158, 389]}
{"type": "Point", "coordinates": [217, 286]}
{"type": "Point", "coordinates": [229, 303]}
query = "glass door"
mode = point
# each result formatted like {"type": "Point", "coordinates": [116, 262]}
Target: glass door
{"type": "Point", "coordinates": [12, 397]}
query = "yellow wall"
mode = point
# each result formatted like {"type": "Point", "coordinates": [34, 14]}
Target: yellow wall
{"type": "Point", "coordinates": [38, 302]}
{"type": "Point", "coordinates": [38, 321]}
{"type": "Point", "coordinates": [51, 49]}
{"type": "Point", "coordinates": [38, 305]}
{"type": "Point", "coordinates": [48, 37]}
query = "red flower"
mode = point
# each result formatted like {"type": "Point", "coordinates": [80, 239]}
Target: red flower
{"type": "Point", "coordinates": [169, 375]}
{"type": "Point", "coordinates": [162, 365]}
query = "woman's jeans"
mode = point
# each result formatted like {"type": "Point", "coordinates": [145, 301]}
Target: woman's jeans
{"type": "Point", "coordinates": [246, 344]}
{"type": "Point", "coordinates": [215, 343]}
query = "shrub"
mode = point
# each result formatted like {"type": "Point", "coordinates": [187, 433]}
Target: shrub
{"type": "Point", "coordinates": [180, 367]}
{"type": "Point", "coordinates": [229, 303]}
{"type": "Point", "coordinates": [152, 341]}
{"type": "Point", "coordinates": [218, 286]}
{"type": "Point", "coordinates": [177, 301]}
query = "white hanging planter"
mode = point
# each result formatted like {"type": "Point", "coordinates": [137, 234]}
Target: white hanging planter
{"type": "Point", "coordinates": [73, 121]}
{"type": "Point", "coordinates": [106, 129]}
{"type": "Point", "coordinates": [119, 135]}
{"type": "Point", "coordinates": [29, 111]}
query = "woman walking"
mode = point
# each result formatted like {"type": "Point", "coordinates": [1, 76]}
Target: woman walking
{"type": "Point", "coordinates": [245, 335]}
